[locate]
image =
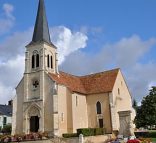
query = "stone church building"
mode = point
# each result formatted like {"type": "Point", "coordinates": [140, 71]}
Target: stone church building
{"type": "Point", "coordinates": [49, 100]}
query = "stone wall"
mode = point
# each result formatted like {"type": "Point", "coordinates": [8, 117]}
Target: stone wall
{"type": "Point", "coordinates": [91, 139]}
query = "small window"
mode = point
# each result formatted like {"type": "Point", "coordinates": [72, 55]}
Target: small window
{"type": "Point", "coordinates": [121, 83]}
{"type": "Point", "coordinates": [4, 121]}
{"type": "Point", "coordinates": [62, 117]}
{"type": "Point", "coordinates": [76, 101]}
{"type": "Point", "coordinates": [118, 91]}
{"type": "Point", "coordinates": [98, 107]}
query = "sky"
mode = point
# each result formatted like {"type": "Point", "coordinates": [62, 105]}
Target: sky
{"type": "Point", "coordinates": [91, 36]}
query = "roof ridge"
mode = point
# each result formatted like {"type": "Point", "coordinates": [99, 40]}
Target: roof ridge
{"type": "Point", "coordinates": [100, 72]}
{"type": "Point", "coordinates": [69, 74]}
{"type": "Point", "coordinates": [90, 74]}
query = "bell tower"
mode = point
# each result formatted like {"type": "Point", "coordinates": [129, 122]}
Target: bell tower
{"type": "Point", "coordinates": [40, 59]}
{"type": "Point", "coordinates": [41, 54]}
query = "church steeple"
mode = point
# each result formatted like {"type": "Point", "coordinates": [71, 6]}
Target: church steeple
{"type": "Point", "coordinates": [41, 30]}
{"type": "Point", "coordinates": [41, 53]}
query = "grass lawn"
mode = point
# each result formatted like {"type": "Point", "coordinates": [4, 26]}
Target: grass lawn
{"type": "Point", "coordinates": [152, 130]}
{"type": "Point", "coordinates": [154, 139]}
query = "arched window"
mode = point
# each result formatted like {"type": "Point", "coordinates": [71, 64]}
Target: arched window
{"type": "Point", "coordinates": [37, 60]}
{"type": "Point", "coordinates": [33, 61]}
{"type": "Point", "coordinates": [51, 62]}
{"type": "Point", "coordinates": [98, 107]}
{"type": "Point", "coordinates": [48, 61]}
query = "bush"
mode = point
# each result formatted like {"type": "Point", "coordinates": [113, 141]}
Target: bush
{"type": "Point", "coordinates": [19, 138]}
{"type": "Point", "coordinates": [99, 131]}
{"type": "Point", "coordinates": [6, 129]}
{"type": "Point", "coordinates": [70, 135]}
{"type": "Point", "coordinates": [142, 134]}
{"type": "Point", "coordinates": [86, 131]}
{"type": "Point", "coordinates": [91, 131]}
{"type": "Point", "coordinates": [1, 136]}
{"type": "Point", "coordinates": [145, 140]}
{"type": "Point", "coordinates": [133, 141]}
{"type": "Point", "coordinates": [145, 134]}
{"type": "Point", "coordinates": [5, 139]}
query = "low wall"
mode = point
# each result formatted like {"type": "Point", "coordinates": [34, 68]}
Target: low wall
{"type": "Point", "coordinates": [97, 139]}
{"type": "Point", "coordinates": [90, 139]}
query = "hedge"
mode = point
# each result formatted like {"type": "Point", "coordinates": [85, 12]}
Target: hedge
{"type": "Point", "coordinates": [91, 131]}
{"type": "Point", "coordinates": [70, 135]}
{"type": "Point", "coordinates": [152, 135]}
{"type": "Point", "coordinates": [86, 131]}
{"type": "Point", "coordinates": [145, 134]}
{"type": "Point", "coordinates": [99, 131]}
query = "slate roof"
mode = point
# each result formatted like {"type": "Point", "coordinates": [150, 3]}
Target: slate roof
{"type": "Point", "coordinates": [41, 30]}
{"type": "Point", "coordinates": [102, 82]}
{"type": "Point", "coordinates": [6, 110]}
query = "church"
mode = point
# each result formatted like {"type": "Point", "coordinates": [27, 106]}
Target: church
{"type": "Point", "coordinates": [49, 100]}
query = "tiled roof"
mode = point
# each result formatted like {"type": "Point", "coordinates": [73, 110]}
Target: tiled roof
{"type": "Point", "coordinates": [95, 83]}
{"type": "Point", "coordinates": [6, 110]}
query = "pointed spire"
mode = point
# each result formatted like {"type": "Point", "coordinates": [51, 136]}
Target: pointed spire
{"type": "Point", "coordinates": [41, 30]}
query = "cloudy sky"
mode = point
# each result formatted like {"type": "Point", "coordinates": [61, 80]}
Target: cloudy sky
{"type": "Point", "coordinates": [91, 36]}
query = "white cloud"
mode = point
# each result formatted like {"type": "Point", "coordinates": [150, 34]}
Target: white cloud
{"type": "Point", "coordinates": [12, 55]}
{"type": "Point", "coordinates": [140, 78]}
{"type": "Point", "coordinates": [8, 9]}
{"type": "Point", "coordinates": [131, 50]}
{"type": "Point", "coordinates": [7, 22]}
{"type": "Point", "coordinates": [67, 41]}
{"type": "Point", "coordinates": [15, 44]}
{"type": "Point", "coordinates": [125, 54]}
{"type": "Point", "coordinates": [5, 93]}
{"type": "Point", "coordinates": [10, 74]}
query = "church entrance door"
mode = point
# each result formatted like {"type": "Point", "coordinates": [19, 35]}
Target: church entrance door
{"type": "Point", "coordinates": [34, 124]}
{"type": "Point", "coordinates": [101, 123]}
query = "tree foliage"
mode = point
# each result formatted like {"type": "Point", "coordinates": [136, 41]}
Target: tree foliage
{"type": "Point", "coordinates": [134, 104]}
{"type": "Point", "coordinates": [146, 113]}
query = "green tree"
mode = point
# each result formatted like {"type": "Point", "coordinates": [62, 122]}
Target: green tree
{"type": "Point", "coordinates": [134, 104]}
{"type": "Point", "coordinates": [146, 113]}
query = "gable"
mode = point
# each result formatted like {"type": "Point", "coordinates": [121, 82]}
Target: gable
{"type": "Point", "coordinates": [21, 81]}
{"type": "Point", "coordinates": [95, 83]}
{"type": "Point", "coordinates": [121, 95]}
